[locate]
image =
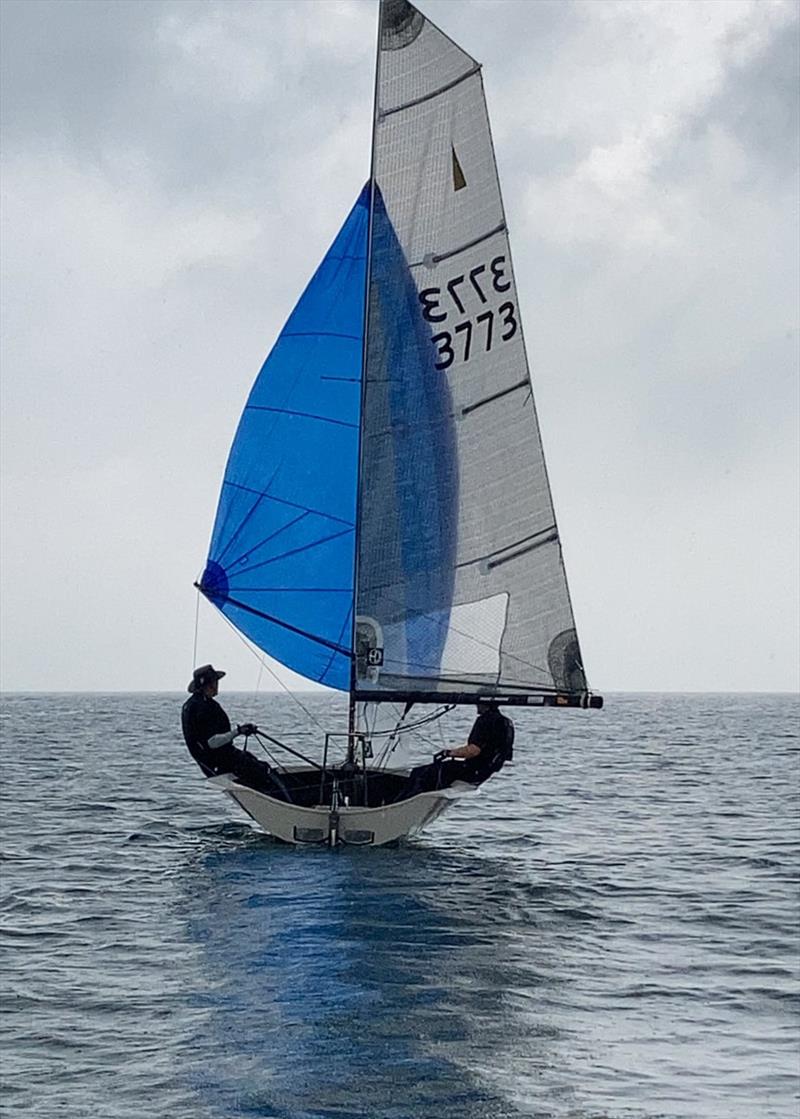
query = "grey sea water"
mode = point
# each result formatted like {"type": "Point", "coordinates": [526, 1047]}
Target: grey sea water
{"type": "Point", "coordinates": [610, 929]}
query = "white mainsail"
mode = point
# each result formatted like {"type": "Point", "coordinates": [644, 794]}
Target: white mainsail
{"type": "Point", "coordinates": [461, 588]}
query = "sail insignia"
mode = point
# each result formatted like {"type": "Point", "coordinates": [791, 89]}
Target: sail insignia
{"type": "Point", "coordinates": [459, 182]}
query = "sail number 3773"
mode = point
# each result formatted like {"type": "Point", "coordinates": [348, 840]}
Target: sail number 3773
{"type": "Point", "coordinates": [478, 332]}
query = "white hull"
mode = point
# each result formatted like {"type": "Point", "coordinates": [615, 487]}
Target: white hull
{"type": "Point", "coordinates": [343, 826]}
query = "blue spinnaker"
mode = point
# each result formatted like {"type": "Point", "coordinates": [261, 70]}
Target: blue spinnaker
{"type": "Point", "coordinates": [409, 515]}
{"type": "Point", "coordinates": [281, 560]}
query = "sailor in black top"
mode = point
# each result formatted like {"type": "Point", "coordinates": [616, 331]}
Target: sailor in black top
{"type": "Point", "coordinates": [209, 737]}
{"type": "Point", "coordinates": [489, 746]}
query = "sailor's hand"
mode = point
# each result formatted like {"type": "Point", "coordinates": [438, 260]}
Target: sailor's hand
{"type": "Point", "coordinates": [246, 729]}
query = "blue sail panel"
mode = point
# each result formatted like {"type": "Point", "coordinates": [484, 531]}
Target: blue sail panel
{"type": "Point", "coordinates": [281, 559]}
{"type": "Point", "coordinates": [408, 531]}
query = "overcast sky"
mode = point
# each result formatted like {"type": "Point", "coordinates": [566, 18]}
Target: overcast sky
{"type": "Point", "coordinates": [173, 172]}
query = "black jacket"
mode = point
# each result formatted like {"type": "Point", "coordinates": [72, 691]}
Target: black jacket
{"type": "Point", "coordinates": [494, 734]}
{"type": "Point", "coordinates": [202, 718]}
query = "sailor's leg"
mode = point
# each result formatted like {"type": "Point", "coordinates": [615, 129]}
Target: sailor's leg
{"type": "Point", "coordinates": [421, 779]}
{"type": "Point", "coordinates": [259, 775]}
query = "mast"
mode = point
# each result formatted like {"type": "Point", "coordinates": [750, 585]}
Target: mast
{"type": "Point", "coordinates": [351, 713]}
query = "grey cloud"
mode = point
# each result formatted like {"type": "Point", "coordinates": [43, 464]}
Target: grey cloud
{"type": "Point", "coordinates": [175, 170]}
{"type": "Point", "coordinates": [758, 106]}
{"type": "Point", "coordinates": [101, 81]}
{"type": "Point", "coordinates": [68, 70]}
{"type": "Point", "coordinates": [761, 102]}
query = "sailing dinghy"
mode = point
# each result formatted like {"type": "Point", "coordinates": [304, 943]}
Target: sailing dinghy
{"type": "Point", "coordinates": [385, 526]}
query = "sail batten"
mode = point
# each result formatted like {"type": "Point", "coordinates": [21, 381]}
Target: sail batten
{"type": "Point", "coordinates": [428, 96]}
{"type": "Point", "coordinates": [437, 258]}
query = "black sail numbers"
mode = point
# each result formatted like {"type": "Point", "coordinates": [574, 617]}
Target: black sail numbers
{"type": "Point", "coordinates": [468, 297]}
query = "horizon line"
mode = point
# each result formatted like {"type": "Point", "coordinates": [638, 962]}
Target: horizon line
{"type": "Point", "coordinates": [331, 692]}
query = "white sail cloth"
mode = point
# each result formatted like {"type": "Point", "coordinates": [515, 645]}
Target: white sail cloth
{"type": "Point", "coordinates": [461, 585]}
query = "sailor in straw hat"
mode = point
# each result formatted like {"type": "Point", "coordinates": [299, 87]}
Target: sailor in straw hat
{"type": "Point", "coordinates": [209, 736]}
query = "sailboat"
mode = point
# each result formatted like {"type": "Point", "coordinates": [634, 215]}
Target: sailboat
{"type": "Point", "coordinates": [385, 525]}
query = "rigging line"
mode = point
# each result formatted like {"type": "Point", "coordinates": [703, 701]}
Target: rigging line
{"type": "Point", "coordinates": [470, 637]}
{"type": "Point", "coordinates": [412, 728]}
{"type": "Point", "coordinates": [489, 683]}
{"type": "Point", "coordinates": [450, 678]}
{"type": "Point", "coordinates": [196, 628]}
{"type": "Point", "coordinates": [302, 415]}
{"type": "Point", "coordinates": [442, 742]}
{"type": "Point", "coordinates": [400, 603]}
{"type": "Point", "coordinates": [259, 657]}
{"type": "Point", "coordinates": [437, 714]}
{"type": "Point", "coordinates": [435, 718]}
{"type": "Point", "coordinates": [283, 501]}
{"type": "Point", "coordinates": [289, 749]}
{"type": "Point", "coordinates": [392, 739]}
{"type": "Point", "coordinates": [345, 626]}
{"type": "Point", "coordinates": [432, 718]}
{"type": "Point", "coordinates": [258, 681]}
{"type": "Point", "coordinates": [390, 743]}
{"type": "Point", "coordinates": [277, 764]}
{"type": "Point", "coordinates": [487, 645]}
{"type": "Point", "coordinates": [425, 737]}
{"type": "Point", "coordinates": [275, 761]}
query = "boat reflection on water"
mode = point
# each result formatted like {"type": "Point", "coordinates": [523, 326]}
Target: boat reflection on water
{"type": "Point", "coordinates": [396, 983]}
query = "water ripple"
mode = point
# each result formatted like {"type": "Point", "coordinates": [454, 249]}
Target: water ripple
{"type": "Point", "coordinates": [607, 932]}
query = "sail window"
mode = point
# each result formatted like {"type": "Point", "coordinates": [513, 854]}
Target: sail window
{"type": "Point", "coordinates": [474, 637]}
{"type": "Point", "coordinates": [459, 182]}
